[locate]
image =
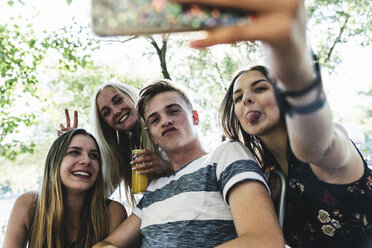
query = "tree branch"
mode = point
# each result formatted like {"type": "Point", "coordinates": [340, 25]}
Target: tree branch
{"type": "Point", "coordinates": [121, 41]}
{"type": "Point", "coordinates": [161, 54]}
{"type": "Point", "coordinates": [221, 84]}
{"type": "Point", "coordinates": [337, 40]}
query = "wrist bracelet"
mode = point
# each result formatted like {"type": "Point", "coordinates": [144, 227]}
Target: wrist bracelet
{"type": "Point", "coordinates": [318, 103]}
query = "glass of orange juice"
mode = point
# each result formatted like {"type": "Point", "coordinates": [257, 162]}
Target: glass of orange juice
{"type": "Point", "coordinates": [139, 181]}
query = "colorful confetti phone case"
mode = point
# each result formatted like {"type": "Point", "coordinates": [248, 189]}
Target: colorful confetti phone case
{"type": "Point", "coordinates": [136, 17]}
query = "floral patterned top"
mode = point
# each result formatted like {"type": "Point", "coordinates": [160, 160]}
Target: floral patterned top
{"type": "Point", "coordinates": [320, 214]}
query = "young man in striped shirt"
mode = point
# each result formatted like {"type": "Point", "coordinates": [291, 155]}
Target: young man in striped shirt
{"type": "Point", "coordinates": [212, 199]}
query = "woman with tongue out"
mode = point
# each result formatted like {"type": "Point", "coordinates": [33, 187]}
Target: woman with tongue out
{"type": "Point", "coordinates": [71, 209]}
{"type": "Point", "coordinates": [329, 193]}
{"type": "Point", "coordinates": [118, 130]}
{"type": "Point", "coordinates": [287, 124]}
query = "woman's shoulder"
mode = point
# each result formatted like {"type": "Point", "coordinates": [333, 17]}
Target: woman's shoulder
{"type": "Point", "coordinates": [24, 206]}
{"type": "Point", "coordinates": [116, 208]}
{"type": "Point", "coordinates": [26, 200]}
{"type": "Point", "coordinates": [117, 214]}
{"type": "Point", "coordinates": [113, 203]}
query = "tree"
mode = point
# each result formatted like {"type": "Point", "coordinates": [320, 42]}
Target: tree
{"type": "Point", "coordinates": [336, 22]}
{"type": "Point", "coordinates": [22, 53]}
{"type": "Point", "coordinates": [18, 68]}
{"type": "Point", "coordinates": [54, 70]}
{"type": "Point", "coordinates": [81, 86]}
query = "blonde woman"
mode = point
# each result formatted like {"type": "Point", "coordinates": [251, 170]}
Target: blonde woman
{"type": "Point", "coordinates": [118, 130]}
{"type": "Point", "coordinates": [71, 209]}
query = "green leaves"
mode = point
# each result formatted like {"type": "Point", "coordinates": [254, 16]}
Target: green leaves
{"type": "Point", "coordinates": [18, 60]}
{"type": "Point", "coordinates": [22, 55]}
{"type": "Point", "coordinates": [64, 55]}
{"type": "Point", "coordinates": [335, 22]}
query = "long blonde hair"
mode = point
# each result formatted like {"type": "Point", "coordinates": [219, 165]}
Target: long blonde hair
{"type": "Point", "coordinates": [48, 226]}
{"type": "Point", "coordinates": [116, 146]}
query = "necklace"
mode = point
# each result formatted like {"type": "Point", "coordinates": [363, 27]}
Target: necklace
{"type": "Point", "coordinates": [70, 244]}
{"type": "Point", "coordinates": [73, 242]}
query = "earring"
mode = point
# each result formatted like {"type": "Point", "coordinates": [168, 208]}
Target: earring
{"type": "Point", "coordinates": [195, 117]}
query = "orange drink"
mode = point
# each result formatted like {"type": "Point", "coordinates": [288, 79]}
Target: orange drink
{"type": "Point", "coordinates": [139, 181]}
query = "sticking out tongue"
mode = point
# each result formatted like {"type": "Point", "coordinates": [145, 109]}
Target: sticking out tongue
{"type": "Point", "coordinates": [253, 116]}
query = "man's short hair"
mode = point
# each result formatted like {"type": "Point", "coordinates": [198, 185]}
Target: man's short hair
{"type": "Point", "coordinates": [154, 89]}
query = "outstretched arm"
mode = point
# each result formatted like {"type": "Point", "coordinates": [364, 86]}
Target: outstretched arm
{"type": "Point", "coordinates": [281, 26]}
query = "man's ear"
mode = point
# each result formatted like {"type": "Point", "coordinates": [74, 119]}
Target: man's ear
{"type": "Point", "coordinates": [195, 117]}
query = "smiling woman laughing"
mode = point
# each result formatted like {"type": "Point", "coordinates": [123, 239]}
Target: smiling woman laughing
{"type": "Point", "coordinates": [71, 203]}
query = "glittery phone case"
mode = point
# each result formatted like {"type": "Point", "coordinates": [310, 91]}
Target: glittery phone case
{"type": "Point", "coordinates": [136, 17]}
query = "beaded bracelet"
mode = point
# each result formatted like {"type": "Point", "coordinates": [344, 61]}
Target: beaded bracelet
{"type": "Point", "coordinates": [318, 103]}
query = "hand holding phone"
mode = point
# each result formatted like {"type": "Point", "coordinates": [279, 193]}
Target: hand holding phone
{"type": "Point", "coordinates": [274, 22]}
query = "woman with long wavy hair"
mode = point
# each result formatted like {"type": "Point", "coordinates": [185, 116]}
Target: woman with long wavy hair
{"type": "Point", "coordinates": [71, 209]}
{"type": "Point", "coordinates": [328, 190]}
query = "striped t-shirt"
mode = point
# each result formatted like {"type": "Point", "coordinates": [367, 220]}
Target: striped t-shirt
{"type": "Point", "coordinates": [189, 208]}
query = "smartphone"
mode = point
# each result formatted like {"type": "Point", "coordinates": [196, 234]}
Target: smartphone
{"type": "Point", "coordinates": [137, 17]}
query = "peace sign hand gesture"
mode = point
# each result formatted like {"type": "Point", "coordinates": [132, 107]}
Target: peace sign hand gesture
{"type": "Point", "coordinates": [68, 123]}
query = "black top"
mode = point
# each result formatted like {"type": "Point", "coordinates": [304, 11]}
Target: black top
{"type": "Point", "coordinates": [320, 214]}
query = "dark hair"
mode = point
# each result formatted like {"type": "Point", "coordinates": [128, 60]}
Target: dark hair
{"type": "Point", "coordinates": [231, 126]}
{"type": "Point", "coordinates": [154, 89]}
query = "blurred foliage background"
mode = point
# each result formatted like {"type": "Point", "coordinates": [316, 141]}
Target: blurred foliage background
{"type": "Point", "coordinates": [46, 70]}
